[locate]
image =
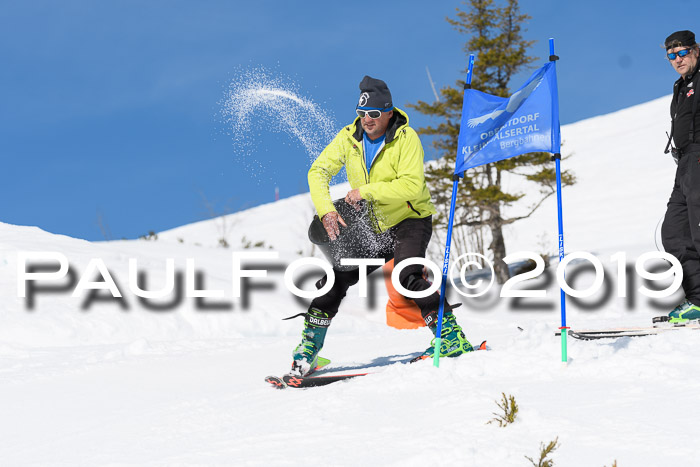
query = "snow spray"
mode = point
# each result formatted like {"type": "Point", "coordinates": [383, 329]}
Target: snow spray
{"type": "Point", "coordinates": [259, 100]}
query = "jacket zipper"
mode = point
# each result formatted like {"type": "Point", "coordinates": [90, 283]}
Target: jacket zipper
{"type": "Point", "coordinates": [373, 217]}
{"type": "Point", "coordinates": [412, 208]}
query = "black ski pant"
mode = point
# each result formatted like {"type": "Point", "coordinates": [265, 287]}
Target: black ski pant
{"type": "Point", "coordinates": [680, 232]}
{"type": "Point", "coordinates": [409, 239]}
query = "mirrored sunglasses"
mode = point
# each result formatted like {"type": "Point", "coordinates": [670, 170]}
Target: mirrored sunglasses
{"type": "Point", "coordinates": [680, 53]}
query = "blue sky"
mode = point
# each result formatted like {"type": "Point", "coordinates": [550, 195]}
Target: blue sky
{"type": "Point", "coordinates": [110, 119]}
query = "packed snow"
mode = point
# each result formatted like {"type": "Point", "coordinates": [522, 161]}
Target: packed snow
{"type": "Point", "coordinates": [177, 380]}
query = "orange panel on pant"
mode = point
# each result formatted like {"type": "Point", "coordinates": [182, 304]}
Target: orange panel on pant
{"type": "Point", "coordinates": [401, 313]}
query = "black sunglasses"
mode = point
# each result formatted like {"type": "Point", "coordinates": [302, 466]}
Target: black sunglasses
{"type": "Point", "coordinates": [680, 53]}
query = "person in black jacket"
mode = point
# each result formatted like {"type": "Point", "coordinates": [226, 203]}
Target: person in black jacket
{"type": "Point", "coordinates": [680, 231]}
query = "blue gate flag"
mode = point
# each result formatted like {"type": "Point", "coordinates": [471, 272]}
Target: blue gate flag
{"type": "Point", "coordinates": [495, 128]}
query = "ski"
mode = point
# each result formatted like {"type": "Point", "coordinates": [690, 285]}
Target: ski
{"type": "Point", "coordinates": [659, 328]}
{"type": "Point", "coordinates": [309, 381]}
{"type": "Point", "coordinates": [276, 382]}
{"type": "Point", "coordinates": [292, 381]}
{"type": "Point", "coordinates": [279, 383]}
{"type": "Point", "coordinates": [313, 381]}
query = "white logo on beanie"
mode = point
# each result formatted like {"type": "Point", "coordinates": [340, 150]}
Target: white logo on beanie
{"type": "Point", "coordinates": [364, 97]}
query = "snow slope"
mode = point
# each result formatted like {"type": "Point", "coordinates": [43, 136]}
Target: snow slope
{"type": "Point", "coordinates": [117, 382]}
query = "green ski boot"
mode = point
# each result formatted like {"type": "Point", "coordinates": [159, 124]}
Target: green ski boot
{"type": "Point", "coordinates": [684, 313]}
{"type": "Point", "coordinates": [305, 355]}
{"type": "Point", "coordinates": [453, 342]}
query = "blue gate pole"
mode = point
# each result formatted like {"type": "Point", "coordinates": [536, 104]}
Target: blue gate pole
{"type": "Point", "coordinates": [448, 242]}
{"type": "Point", "coordinates": [557, 159]}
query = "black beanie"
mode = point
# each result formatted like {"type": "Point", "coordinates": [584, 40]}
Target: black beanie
{"type": "Point", "coordinates": [374, 93]}
{"type": "Point", "coordinates": [680, 39]}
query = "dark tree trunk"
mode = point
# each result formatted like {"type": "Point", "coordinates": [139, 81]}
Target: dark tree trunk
{"type": "Point", "coordinates": [498, 247]}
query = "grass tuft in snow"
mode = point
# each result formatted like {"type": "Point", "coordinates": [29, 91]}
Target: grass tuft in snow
{"type": "Point", "coordinates": [509, 411]}
{"type": "Point", "coordinates": [545, 451]}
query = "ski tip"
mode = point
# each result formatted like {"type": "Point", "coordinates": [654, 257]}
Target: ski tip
{"type": "Point", "coordinates": [482, 346]}
{"type": "Point", "coordinates": [419, 358]}
{"type": "Point", "coordinates": [276, 382]}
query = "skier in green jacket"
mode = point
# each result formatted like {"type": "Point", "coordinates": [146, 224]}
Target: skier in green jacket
{"type": "Point", "coordinates": [383, 158]}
